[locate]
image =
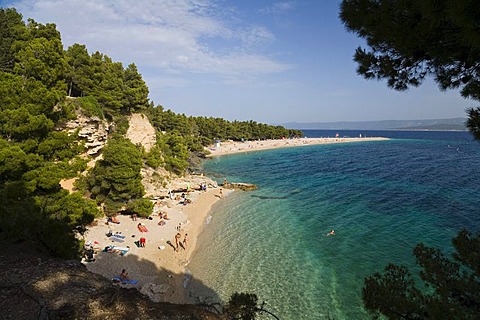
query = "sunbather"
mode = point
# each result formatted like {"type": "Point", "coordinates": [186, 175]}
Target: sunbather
{"type": "Point", "coordinates": [124, 275]}
{"type": "Point", "coordinates": [89, 255]}
{"type": "Point", "coordinates": [142, 228]}
{"type": "Point", "coordinates": [113, 220]}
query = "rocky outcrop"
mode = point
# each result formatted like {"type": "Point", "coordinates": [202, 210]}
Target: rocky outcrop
{"type": "Point", "coordinates": [156, 291]}
{"type": "Point", "coordinates": [240, 186]}
{"type": "Point", "coordinates": [92, 130]}
{"type": "Point", "coordinates": [158, 183]}
{"type": "Point", "coordinates": [141, 131]}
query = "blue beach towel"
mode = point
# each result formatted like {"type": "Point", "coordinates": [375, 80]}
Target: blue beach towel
{"type": "Point", "coordinates": [117, 278]}
{"type": "Point", "coordinates": [117, 237]}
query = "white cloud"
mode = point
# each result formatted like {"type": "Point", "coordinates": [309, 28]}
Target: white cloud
{"type": "Point", "coordinates": [191, 36]}
{"type": "Point", "coordinates": [278, 7]}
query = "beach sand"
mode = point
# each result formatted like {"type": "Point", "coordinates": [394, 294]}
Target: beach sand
{"type": "Point", "coordinates": [231, 147]}
{"type": "Point", "coordinates": [162, 273]}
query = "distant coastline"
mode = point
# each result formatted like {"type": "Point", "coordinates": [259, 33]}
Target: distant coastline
{"type": "Point", "coordinates": [454, 124]}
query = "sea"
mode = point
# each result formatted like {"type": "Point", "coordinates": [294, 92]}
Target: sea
{"type": "Point", "coordinates": [380, 197]}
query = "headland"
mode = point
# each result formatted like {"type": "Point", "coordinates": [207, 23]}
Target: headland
{"type": "Point", "coordinates": [231, 147]}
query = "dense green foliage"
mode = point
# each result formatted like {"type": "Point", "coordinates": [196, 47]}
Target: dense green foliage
{"type": "Point", "coordinates": [452, 286]}
{"type": "Point", "coordinates": [117, 90]}
{"type": "Point", "coordinates": [410, 40]}
{"type": "Point", "coordinates": [33, 156]}
{"type": "Point", "coordinates": [204, 131]}
{"type": "Point", "coordinates": [142, 207]}
{"type": "Point", "coordinates": [183, 135]}
{"type": "Point", "coordinates": [41, 87]}
{"type": "Point", "coordinates": [116, 179]}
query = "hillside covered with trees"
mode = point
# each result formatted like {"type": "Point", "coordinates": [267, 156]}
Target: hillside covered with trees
{"type": "Point", "coordinates": [42, 87]}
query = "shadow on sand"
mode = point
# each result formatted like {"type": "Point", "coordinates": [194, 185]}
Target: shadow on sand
{"type": "Point", "coordinates": [36, 286]}
{"type": "Point", "coordinates": [159, 284]}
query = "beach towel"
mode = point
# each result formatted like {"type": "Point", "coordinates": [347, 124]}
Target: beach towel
{"type": "Point", "coordinates": [121, 250]}
{"type": "Point", "coordinates": [117, 278]}
{"type": "Point", "coordinates": [117, 237]}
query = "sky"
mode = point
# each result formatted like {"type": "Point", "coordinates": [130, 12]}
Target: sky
{"type": "Point", "coordinates": [269, 61]}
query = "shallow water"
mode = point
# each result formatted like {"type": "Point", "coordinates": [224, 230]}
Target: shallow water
{"type": "Point", "coordinates": [381, 198]}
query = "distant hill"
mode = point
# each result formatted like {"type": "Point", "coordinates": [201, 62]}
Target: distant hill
{"type": "Point", "coordinates": [457, 124]}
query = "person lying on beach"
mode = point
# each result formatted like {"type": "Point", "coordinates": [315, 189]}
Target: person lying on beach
{"type": "Point", "coordinates": [331, 233]}
{"type": "Point", "coordinates": [111, 249]}
{"type": "Point", "coordinates": [89, 255]}
{"type": "Point", "coordinates": [163, 215]}
{"type": "Point", "coordinates": [161, 222]}
{"type": "Point", "coordinates": [141, 227]}
{"type": "Point", "coordinates": [113, 220]}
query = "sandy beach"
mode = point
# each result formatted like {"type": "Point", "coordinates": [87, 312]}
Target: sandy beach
{"type": "Point", "coordinates": [231, 147]}
{"type": "Point", "coordinates": [160, 270]}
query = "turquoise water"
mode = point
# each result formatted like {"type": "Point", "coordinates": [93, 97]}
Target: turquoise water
{"type": "Point", "coordinates": [381, 198]}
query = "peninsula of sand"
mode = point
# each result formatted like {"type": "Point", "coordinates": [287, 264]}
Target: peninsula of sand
{"type": "Point", "coordinates": [156, 251]}
{"type": "Point", "coordinates": [231, 147]}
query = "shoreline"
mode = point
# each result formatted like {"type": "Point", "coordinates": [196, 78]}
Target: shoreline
{"type": "Point", "coordinates": [231, 147]}
{"type": "Point", "coordinates": [161, 272]}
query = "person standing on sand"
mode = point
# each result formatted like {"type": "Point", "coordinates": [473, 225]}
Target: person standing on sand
{"type": "Point", "coordinates": [177, 240]}
{"type": "Point", "coordinates": [221, 193]}
{"type": "Point", "coordinates": [185, 241]}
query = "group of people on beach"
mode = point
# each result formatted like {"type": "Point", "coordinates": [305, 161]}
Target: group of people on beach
{"type": "Point", "coordinates": [180, 243]}
{"type": "Point", "coordinates": [163, 216]}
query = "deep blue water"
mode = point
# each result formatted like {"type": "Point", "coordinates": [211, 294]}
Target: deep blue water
{"type": "Point", "coordinates": [381, 198]}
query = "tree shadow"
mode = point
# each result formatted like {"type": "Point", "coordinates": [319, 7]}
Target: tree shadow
{"type": "Point", "coordinates": [160, 284]}
{"type": "Point", "coordinates": [66, 289]}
